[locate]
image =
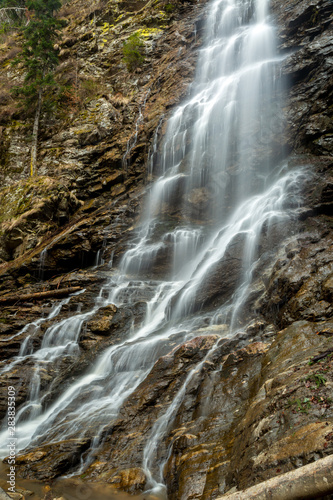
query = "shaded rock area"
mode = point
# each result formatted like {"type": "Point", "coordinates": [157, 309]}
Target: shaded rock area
{"type": "Point", "coordinates": [95, 146]}
{"type": "Point", "coordinates": [305, 37]}
{"type": "Point", "coordinates": [255, 406]}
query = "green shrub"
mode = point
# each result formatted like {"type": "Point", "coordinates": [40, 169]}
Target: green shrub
{"type": "Point", "coordinates": [169, 7]}
{"type": "Point", "coordinates": [318, 378]}
{"type": "Point", "coordinates": [133, 51]}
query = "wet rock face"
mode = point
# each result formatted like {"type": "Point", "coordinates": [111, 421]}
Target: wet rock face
{"type": "Point", "coordinates": [246, 413]}
{"type": "Point", "coordinates": [102, 324]}
{"type": "Point", "coordinates": [301, 281]}
{"type": "Point", "coordinates": [127, 435]}
{"type": "Point", "coordinates": [222, 281]}
{"type": "Point", "coordinates": [204, 426]}
{"type": "Point", "coordinates": [257, 406]}
{"type": "Point", "coordinates": [55, 459]}
{"type": "Point", "coordinates": [132, 480]}
{"type": "Point", "coordinates": [305, 36]}
{"type": "Point", "coordinates": [290, 420]}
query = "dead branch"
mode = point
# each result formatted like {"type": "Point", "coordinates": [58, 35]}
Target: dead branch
{"type": "Point", "coordinates": [61, 292]}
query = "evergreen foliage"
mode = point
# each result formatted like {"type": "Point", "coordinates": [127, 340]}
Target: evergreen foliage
{"type": "Point", "coordinates": [12, 3]}
{"type": "Point", "coordinates": [40, 58]}
{"type": "Point", "coordinates": [133, 50]}
{"type": "Point", "coordinates": [39, 55]}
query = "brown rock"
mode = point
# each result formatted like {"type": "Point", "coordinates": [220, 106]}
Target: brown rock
{"type": "Point", "coordinates": [3, 495]}
{"type": "Point", "coordinates": [16, 496]}
{"type": "Point", "coordinates": [130, 480]}
{"type": "Point", "coordinates": [103, 320]}
{"type": "Point", "coordinates": [52, 460]}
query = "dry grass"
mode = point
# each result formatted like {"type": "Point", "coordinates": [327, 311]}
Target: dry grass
{"type": "Point", "coordinates": [7, 113]}
{"type": "Point", "coordinates": [67, 10]}
{"type": "Point", "coordinates": [9, 55]}
{"type": "Point", "coordinates": [5, 97]}
{"type": "Point", "coordinates": [118, 100]}
{"type": "Point", "coordinates": [8, 105]}
{"type": "Point", "coordinates": [71, 9]}
{"type": "Point", "coordinates": [90, 88]}
{"type": "Point", "coordinates": [66, 72]}
{"type": "Point", "coordinates": [78, 92]}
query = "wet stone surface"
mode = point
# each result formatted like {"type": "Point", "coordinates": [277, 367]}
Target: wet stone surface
{"type": "Point", "coordinates": [255, 406]}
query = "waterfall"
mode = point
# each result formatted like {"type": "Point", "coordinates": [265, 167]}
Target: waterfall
{"type": "Point", "coordinates": [132, 141]}
{"type": "Point", "coordinates": [218, 188]}
{"type": "Point", "coordinates": [41, 266]}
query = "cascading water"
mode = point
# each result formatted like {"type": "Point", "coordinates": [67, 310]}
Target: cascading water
{"type": "Point", "coordinates": [216, 177]}
{"type": "Point", "coordinates": [131, 143]}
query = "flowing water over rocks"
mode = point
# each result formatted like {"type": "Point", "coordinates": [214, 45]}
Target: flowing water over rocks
{"type": "Point", "coordinates": [150, 384]}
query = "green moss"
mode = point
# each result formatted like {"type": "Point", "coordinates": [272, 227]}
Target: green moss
{"type": "Point", "coordinates": [105, 28]}
{"type": "Point", "coordinates": [18, 198]}
{"type": "Point", "coordinates": [119, 18]}
{"type": "Point", "coordinates": [315, 17]}
{"type": "Point", "coordinates": [169, 8]}
{"type": "Point", "coordinates": [15, 124]}
{"type": "Point", "coordinates": [149, 32]}
{"type": "Point", "coordinates": [4, 155]}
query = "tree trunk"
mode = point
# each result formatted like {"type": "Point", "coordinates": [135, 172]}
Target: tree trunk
{"type": "Point", "coordinates": [35, 136]}
{"type": "Point", "coordinates": [39, 295]}
{"type": "Point", "coordinates": [314, 480]}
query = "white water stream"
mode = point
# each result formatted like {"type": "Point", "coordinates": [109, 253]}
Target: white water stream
{"type": "Point", "coordinates": [216, 172]}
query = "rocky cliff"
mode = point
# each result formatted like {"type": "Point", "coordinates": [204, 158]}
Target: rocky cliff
{"type": "Point", "coordinates": [262, 403]}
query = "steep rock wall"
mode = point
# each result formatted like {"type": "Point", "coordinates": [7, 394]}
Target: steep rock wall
{"type": "Point", "coordinates": [95, 145]}
{"type": "Point", "coordinates": [259, 406]}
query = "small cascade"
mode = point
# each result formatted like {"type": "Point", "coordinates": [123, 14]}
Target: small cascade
{"type": "Point", "coordinates": [44, 252]}
{"type": "Point", "coordinates": [25, 348]}
{"type": "Point", "coordinates": [185, 244]}
{"type": "Point", "coordinates": [111, 259]}
{"type": "Point", "coordinates": [131, 143]}
{"type": "Point", "coordinates": [41, 266]}
{"type": "Point", "coordinates": [153, 149]}
{"type": "Point", "coordinates": [99, 261]}
{"type": "Point", "coordinates": [159, 429]}
{"type": "Point", "coordinates": [33, 327]}
{"type": "Point", "coordinates": [33, 408]}
{"type": "Point", "coordinates": [52, 349]}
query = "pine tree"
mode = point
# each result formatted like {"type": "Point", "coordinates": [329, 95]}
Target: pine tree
{"type": "Point", "coordinates": [40, 58]}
